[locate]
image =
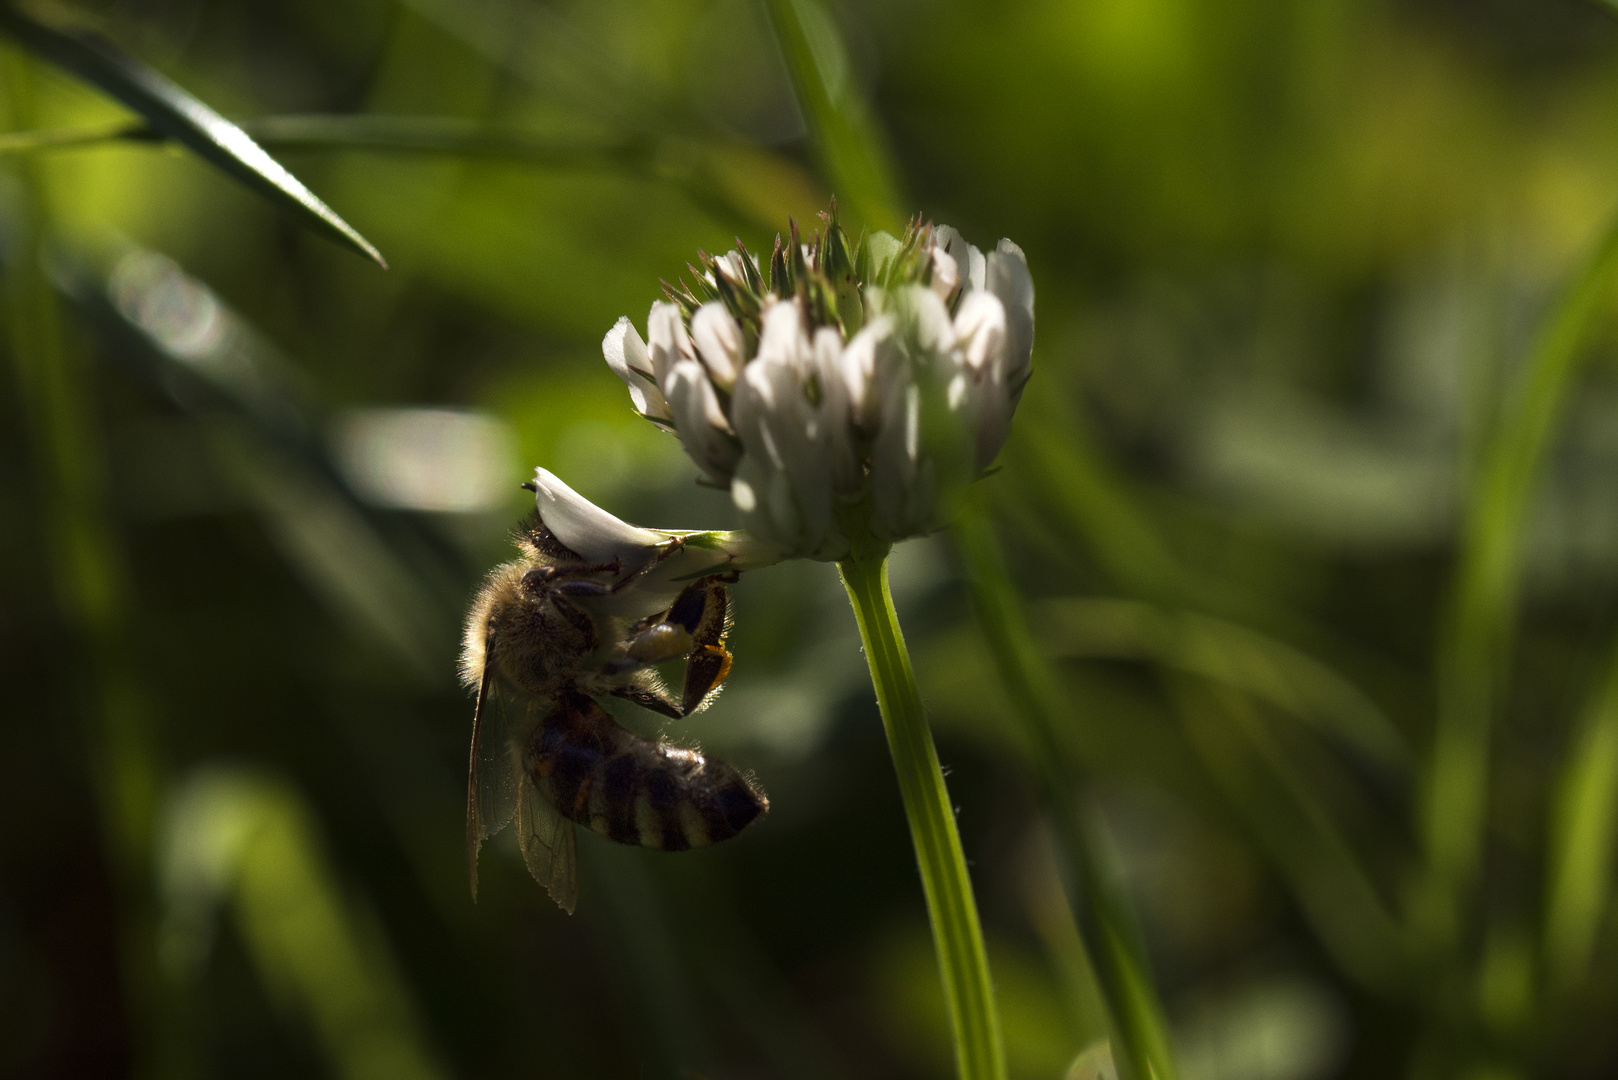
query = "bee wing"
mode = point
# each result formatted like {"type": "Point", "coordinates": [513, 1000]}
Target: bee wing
{"type": "Point", "coordinates": [492, 775]}
{"type": "Point", "coordinates": [548, 846]}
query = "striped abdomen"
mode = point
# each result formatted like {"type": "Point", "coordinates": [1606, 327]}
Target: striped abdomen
{"type": "Point", "coordinates": [633, 790]}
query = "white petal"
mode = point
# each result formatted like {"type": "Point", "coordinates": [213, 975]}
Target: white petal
{"type": "Point", "coordinates": [786, 466]}
{"type": "Point", "coordinates": [587, 529]}
{"type": "Point", "coordinates": [858, 365]}
{"type": "Point", "coordinates": [928, 320]}
{"type": "Point", "coordinates": [719, 343]}
{"type": "Point", "coordinates": [597, 536]}
{"type": "Point", "coordinates": [836, 420]}
{"type": "Point", "coordinates": [969, 262]}
{"type": "Point", "coordinates": [1009, 280]}
{"type": "Point", "coordinates": [667, 340]}
{"type": "Point", "coordinates": [626, 355]}
{"type": "Point", "coordinates": [994, 411]}
{"type": "Point", "coordinates": [894, 464]}
{"type": "Point", "coordinates": [946, 276]}
{"type": "Point", "coordinates": [980, 327]}
{"type": "Point", "coordinates": [701, 423]}
{"type": "Point", "coordinates": [782, 339]}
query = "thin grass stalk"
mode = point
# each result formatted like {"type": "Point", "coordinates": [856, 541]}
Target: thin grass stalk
{"type": "Point", "coordinates": [1141, 1046]}
{"type": "Point", "coordinates": [957, 934]}
{"type": "Point", "coordinates": [1475, 642]}
{"type": "Point", "coordinates": [685, 165]}
{"type": "Point", "coordinates": [846, 138]}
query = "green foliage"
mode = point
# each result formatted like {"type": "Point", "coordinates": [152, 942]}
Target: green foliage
{"type": "Point", "coordinates": [1277, 658]}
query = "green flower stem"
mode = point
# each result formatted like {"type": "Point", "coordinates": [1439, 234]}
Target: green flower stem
{"type": "Point", "coordinates": [957, 935]}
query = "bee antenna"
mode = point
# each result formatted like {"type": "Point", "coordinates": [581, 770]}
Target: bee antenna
{"type": "Point", "coordinates": [529, 485]}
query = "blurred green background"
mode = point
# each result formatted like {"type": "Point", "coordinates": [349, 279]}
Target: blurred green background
{"type": "Point", "coordinates": [1311, 504]}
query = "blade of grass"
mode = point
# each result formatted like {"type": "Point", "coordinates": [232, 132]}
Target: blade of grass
{"type": "Point", "coordinates": [1583, 839]}
{"type": "Point", "coordinates": [845, 136]}
{"type": "Point", "coordinates": [18, 142]}
{"type": "Point", "coordinates": [1291, 823]}
{"type": "Point", "coordinates": [694, 167]}
{"type": "Point", "coordinates": [1226, 652]}
{"type": "Point", "coordinates": [1099, 908]}
{"type": "Point", "coordinates": [180, 116]}
{"type": "Point", "coordinates": [1477, 626]}
{"type": "Point", "coordinates": [251, 843]}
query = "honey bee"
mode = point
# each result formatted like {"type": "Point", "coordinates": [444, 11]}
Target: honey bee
{"type": "Point", "coordinates": [539, 651]}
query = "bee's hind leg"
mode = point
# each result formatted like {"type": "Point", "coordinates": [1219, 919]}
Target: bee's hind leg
{"type": "Point", "coordinates": [703, 611]}
{"type": "Point", "coordinates": [694, 627]}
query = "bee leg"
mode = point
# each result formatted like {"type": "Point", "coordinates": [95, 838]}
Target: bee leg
{"type": "Point", "coordinates": [703, 612]}
{"type": "Point", "coordinates": [650, 695]}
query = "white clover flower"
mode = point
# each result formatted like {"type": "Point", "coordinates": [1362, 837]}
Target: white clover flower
{"type": "Point", "coordinates": [843, 388]}
{"type": "Point", "coordinates": [669, 558]}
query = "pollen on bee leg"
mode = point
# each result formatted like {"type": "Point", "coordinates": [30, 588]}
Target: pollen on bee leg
{"type": "Point", "coordinates": [705, 671]}
{"type": "Point", "coordinates": [660, 642]}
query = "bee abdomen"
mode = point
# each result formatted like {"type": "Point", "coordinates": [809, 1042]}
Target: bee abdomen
{"type": "Point", "coordinates": [669, 799]}
{"type": "Point", "coordinates": [635, 791]}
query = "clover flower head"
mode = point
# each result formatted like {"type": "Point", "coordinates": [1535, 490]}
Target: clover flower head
{"type": "Point", "coordinates": [841, 385]}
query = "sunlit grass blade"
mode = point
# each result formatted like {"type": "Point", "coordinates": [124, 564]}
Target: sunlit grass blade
{"type": "Point", "coordinates": [846, 138]}
{"type": "Point", "coordinates": [699, 169]}
{"type": "Point", "coordinates": [1229, 653]}
{"type": "Point", "coordinates": [1583, 841]}
{"type": "Point", "coordinates": [1477, 628]}
{"type": "Point", "coordinates": [1098, 905]}
{"type": "Point", "coordinates": [178, 115]}
{"type": "Point", "coordinates": [951, 907]}
{"type": "Point", "coordinates": [248, 843]}
{"type": "Point", "coordinates": [21, 142]}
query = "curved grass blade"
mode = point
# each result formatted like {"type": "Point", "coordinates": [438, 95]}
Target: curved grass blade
{"type": "Point", "coordinates": [1293, 824]}
{"type": "Point", "coordinates": [250, 845]}
{"type": "Point", "coordinates": [1228, 653]}
{"type": "Point", "coordinates": [845, 136]}
{"type": "Point", "coordinates": [1476, 640]}
{"type": "Point", "coordinates": [1584, 839]}
{"type": "Point", "coordinates": [176, 114]}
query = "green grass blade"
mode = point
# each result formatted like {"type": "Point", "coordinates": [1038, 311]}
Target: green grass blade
{"type": "Point", "coordinates": [1226, 652]}
{"type": "Point", "coordinates": [952, 909]}
{"type": "Point", "coordinates": [845, 135]}
{"type": "Point", "coordinates": [177, 115]}
{"type": "Point", "coordinates": [1291, 823]}
{"type": "Point", "coordinates": [1475, 642]}
{"type": "Point", "coordinates": [237, 839]}
{"type": "Point", "coordinates": [1583, 839]}
{"type": "Point", "coordinates": [1099, 908]}
{"type": "Point", "coordinates": [20, 142]}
